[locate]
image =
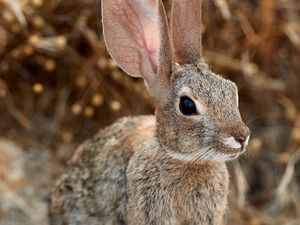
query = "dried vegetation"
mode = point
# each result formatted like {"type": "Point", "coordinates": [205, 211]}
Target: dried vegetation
{"type": "Point", "coordinates": [58, 86]}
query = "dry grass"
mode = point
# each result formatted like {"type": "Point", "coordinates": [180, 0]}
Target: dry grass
{"type": "Point", "coordinates": [58, 86]}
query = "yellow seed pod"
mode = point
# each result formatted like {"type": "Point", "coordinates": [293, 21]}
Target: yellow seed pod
{"type": "Point", "coordinates": [255, 144]}
{"type": "Point", "coordinates": [34, 39]}
{"type": "Point", "coordinates": [81, 81]}
{"type": "Point", "coordinates": [89, 112]}
{"type": "Point", "coordinates": [255, 221]}
{"type": "Point", "coordinates": [112, 65]}
{"type": "Point", "coordinates": [38, 22]}
{"type": "Point", "coordinates": [50, 65]}
{"type": "Point", "coordinates": [284, 157]}
{"type": "Point", "coordinates": [115, 106]}
{"type": "Point", "coordinates": [102, 63]}
{"type": "Point", "coordinates": [15, 53]}
{"type": "Point", "coordinates": [67, 137]}
{"type": "Point", "coordinates": [3, 93]}
{"type": "Point", "coordinates": [296, 134]}
{"type": "Point", "coordinates": [37, 88]}
{"type": "Point", "coordinates": [8, 16]}
{"type": "Point", "coordinates": [28, 50]}
{"type": "Point", "coordinates": [97, 100]}
{"type": "Point", "coordinates": [76, 109]}
{"type": "Point", "coordinates": [37, 3]}
{"type": "Point", "coordinates": [61, 42]}
{"type": "Point", "coordinates": [116, 75]}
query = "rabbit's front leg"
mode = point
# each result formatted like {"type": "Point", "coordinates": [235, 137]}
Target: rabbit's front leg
{"type": "Point", "coordinates": [143, 189]}
{"type": "Point", "coordinates": [162, 191]}
{"type": "Point", "coordinates": [147, 209]}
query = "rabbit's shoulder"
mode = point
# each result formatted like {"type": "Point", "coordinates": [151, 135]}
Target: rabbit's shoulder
{"type": "Point", "coordinates": [117, 139]}
{"type": "Point", "coordinates": [93, 189]}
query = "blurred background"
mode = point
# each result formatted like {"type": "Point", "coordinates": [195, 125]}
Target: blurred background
{"type": "Point", "coordinates": [58, 86]}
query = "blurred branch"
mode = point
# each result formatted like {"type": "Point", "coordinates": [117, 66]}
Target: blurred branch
{"type": "Point", "coordinates": [11, 107]}
{"type": "Point", "coordinates": [252, 73]}
{"type": "Point", "coordinates": [15, 7]}
{"type": "Point", "coordinates": [60, 109]}
{"type": "Point", "coordinates": [288, 175]}
{"type": "Point", "coordinates": [223, 6]}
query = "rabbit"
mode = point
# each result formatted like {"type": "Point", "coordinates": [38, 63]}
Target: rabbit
{"type": "Point", "coordinates": [168, 168]}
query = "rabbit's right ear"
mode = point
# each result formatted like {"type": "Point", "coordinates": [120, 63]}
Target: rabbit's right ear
{"type": "Point", "coordinates": [186, 30]}
{"type": "Point", "coordinates": [137, 37]}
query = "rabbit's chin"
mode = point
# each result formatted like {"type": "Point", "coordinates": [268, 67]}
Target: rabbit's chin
{"type": "Point", "coordinates": [232, 156]}
{"type": "Point", "coordinates": [208, 154]}
{"type": "Point", "coordinates": [226, 154]}
{"type": "Point", "coordinates": [221, 155]}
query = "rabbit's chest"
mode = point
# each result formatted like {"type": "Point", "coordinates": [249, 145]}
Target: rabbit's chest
{"type": "Point", "coordinates": [169, 195]}
{"type": "Point", "coordinates": [196, 199]}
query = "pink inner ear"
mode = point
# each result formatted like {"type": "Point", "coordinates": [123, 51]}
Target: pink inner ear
{"type": "Point", "coordinates": [148, 39]}
{"type": "Point", "coordinates": [132, 34]}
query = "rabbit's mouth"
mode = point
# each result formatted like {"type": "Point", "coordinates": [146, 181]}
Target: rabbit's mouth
{"type": "Point", "coordinates": [235, 155]}
{"type": "Point", "coordinates": [233, 148]}
{"type": "Point", "coordinates": [228, 148]}
{"type": "Point", "coordinates": [224, 149]}
{"type": "Point", "coordinates": [236, 143]}
{"type": "Point", "coordinates": [227, 154]}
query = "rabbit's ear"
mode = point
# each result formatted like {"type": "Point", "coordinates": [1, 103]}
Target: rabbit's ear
{"type": "Point", "coordinates": [138, 38]}
{"type": "Point", "coordinates": [186, 30]}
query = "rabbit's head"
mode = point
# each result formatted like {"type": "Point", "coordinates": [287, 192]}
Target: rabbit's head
{"type": "Point", "coordinates": [197, 110]}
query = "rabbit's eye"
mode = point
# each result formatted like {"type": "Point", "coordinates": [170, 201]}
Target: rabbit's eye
{"type": "Point", "coordinates": [187, 106]}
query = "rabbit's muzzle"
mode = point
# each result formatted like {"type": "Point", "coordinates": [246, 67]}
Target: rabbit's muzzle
{"type": "Point", "coordinates": [237, 139]}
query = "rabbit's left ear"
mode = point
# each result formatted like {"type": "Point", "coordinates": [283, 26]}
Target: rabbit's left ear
{"type": "Point", "coordinates": [186, 30]}
{"type": "Point", "coordinates": [137, 37]}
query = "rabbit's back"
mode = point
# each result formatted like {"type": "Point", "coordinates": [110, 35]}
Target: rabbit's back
{"type": "Point", "coordinates": [93, 189]}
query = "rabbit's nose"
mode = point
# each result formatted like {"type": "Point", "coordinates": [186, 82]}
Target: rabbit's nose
{"type": "Point", "coordinates": [243, 137]}
{"type": "Point", "coordinates": [243, 140]}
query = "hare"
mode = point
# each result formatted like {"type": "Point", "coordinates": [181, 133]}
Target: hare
{"type": "Point", "coordinates": [167, 169]}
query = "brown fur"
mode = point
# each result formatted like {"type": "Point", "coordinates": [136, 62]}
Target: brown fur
{"type": "Point", "coordinates": [165, 191]}
{"type": "Point", "coordinates": [93, 190]}
{"type": "Point", "coordinates": [163, 170]}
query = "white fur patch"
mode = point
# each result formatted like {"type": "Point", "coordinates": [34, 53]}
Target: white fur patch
{"type": "Point", "coordinates": [183, 157]}
{"type": "Point", "coordinates": [232, 143]}
{"type": "Point", "coordinates": [208, 154]}
{"type": "Point", "coordinates": [247, 141]}
{"type": "Point", "coordinates": [201, 154]}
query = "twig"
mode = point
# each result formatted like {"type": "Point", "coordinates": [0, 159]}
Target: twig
{"type": "Point", "coordinates": [16, 9]}
{"type": "Point", "coordinates": [13, 110]}
{"type": "Point", "coordinates": [249, 69]}
{"type": "Point", "coordinates": [288, 175]}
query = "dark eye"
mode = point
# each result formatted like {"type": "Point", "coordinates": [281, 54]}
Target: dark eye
{"type": "Point", "coordinates": [187, 106]}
